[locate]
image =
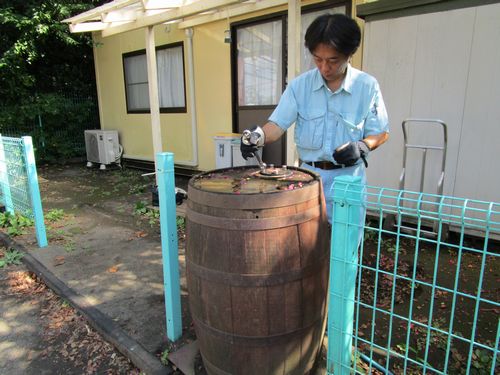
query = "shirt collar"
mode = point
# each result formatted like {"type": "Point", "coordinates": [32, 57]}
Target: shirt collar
{"type": "Point", "coordinates": [346, 85]}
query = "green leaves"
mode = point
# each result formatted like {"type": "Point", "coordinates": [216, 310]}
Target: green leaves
{"type": "Point", "coordinates": [11, 256]}
{"type": "Point", "coordinates": [38, 51]}
{"type": "Point", "coordinates": [15, 223]}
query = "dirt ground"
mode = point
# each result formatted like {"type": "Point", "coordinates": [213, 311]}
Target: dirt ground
{"type": "Point", "coordinates": [42, 334]}
{"type": "Point", "coordinates": [104, 244]}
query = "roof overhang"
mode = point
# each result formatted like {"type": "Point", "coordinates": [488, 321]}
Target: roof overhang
{"type": "Point", "coordinates": [120, 16]}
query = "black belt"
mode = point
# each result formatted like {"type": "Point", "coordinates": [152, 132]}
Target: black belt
{"type": "Point", "coordinates": [324, 165]}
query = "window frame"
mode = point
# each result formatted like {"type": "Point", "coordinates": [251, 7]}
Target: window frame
{"type": "Point", "coordinates": [182, 109]}
{"type": "Point", "coordinates": [283, 15]}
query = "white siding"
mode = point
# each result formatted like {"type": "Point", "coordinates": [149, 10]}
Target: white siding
{"type": "Point", "coordinates": [443, 65]}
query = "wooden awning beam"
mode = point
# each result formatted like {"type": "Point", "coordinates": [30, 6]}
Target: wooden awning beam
{"type": "Point", "coordinates": [95, 13]}
{"type": "Point", "coordinates": [246, 7]}
{"type": "Point", "coordinates": [120, 16]}
{"type": "Point", "coordinates": [169, 15]}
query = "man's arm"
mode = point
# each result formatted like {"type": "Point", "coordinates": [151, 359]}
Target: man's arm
{"type": "Point", "coordinates": [272, 131]}
{"type": "Point", "coordinates": [374, 141]}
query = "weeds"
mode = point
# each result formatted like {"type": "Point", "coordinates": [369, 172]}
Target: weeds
{"type": "Point", "coordinates": [15, 223]}
{"type": "Point", "coordinates": [69, 246]}
{"type": "Point", "coordinates": [11, 256]}
{"type": "Point", "coordinates": [180, 221]}
{"type": "Point", "coordinates": [54, 215]}
{"type": "Point", "coordinates": [151, 214]}
{"type": "Point", "coordinates": [137, 189]}
{"type": "Point", "coordinates": [164, 357]}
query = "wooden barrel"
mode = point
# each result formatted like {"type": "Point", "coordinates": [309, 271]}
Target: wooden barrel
{"type": "Point", "coordinates": [257, 257]}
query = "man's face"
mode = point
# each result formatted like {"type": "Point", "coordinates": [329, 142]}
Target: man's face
{"type": "Point", "coordinates": [331, 63]}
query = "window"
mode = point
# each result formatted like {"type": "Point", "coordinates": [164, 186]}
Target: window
{"type": "Point", "coordinates": [260, 63]}
{"type": "Point", "coordinates": [171, 87]}
{"type": "Point", "coordinates": [260, 51]}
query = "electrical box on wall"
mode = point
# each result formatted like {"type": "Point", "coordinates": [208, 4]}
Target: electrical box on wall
{"type": "Point", "coordinates": [227, 151]}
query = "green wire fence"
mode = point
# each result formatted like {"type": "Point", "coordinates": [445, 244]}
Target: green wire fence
{"type": "Point", "coordinates": [418, 296]}
{"type": "Point", "coordinates": [55, 121]}
{"type": "Point", "coordinates": [19, 191]}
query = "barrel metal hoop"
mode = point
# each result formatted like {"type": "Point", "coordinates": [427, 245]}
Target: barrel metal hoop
{"type": "Point", "coordinates": [253, 224]}
{"type": "Point", "coordinates": [256, 201]}
{"type": "Point", "coordinates": [257, 341]}
{"type": "Point", "coordinates": [237, 279]}
{"type": "Point", "coordinates": [213, 368]}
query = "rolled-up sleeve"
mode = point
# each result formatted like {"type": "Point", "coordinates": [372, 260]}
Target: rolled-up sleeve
{"type": "Point", "coordinates": [285, 114]}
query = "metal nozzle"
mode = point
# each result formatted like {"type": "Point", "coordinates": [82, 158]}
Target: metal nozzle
{"type": "Point", "coordinates": [262, 165]}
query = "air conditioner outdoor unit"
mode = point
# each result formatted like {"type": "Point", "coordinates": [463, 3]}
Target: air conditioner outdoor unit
{"type": "Point", "coordinates": [102, 147]}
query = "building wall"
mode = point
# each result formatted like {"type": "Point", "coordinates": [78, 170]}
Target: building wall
{"type": "Point", "coordinates": [439, 65]}
{"type": "Point", "coordinates": [212, 73]}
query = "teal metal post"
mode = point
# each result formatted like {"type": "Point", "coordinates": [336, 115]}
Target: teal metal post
{"type": "Point", "coordinates": [4, 179]}
{"type": "Point", "coordinates": [34, 191]}
{"type": "Point", "coordinates": [169, 245]}
{"type": "Point", "coordinates": [346, 228]}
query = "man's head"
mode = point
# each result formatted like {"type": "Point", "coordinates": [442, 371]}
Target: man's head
{"type": "Point", "coordinates": [334, 30]}
{"type": "Point", "coordinates": [332, 39]}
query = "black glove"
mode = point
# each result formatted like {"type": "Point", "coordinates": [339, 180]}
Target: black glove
{"type": "Point", "coordinates": [348, 154]}
{"type": "Point", "coordinates": [248, 151]}
{"type": "Point", "coordinates": [251, 141]}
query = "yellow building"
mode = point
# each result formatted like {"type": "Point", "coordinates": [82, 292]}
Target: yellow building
{"type": "Point", "coordinates": [219, 70]}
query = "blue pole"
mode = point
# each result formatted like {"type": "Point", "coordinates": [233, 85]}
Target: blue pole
{"type": "Point", "coordinates": [4, 179]}
{"type": "Point", "coordinates": [346, 228]}
{"type": "Point", "coordinates": [169, 246]}
{"type": "Point", "coordinates": [34, 191]}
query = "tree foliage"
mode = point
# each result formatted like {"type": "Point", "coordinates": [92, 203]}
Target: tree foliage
{"type": "Point", "coordinates": [41, 62]}
{"type": "Point", "coordinates": [38, 51]}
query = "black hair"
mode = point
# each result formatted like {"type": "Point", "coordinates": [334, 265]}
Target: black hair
{"type": "Point", "coordinates": [336, 30]}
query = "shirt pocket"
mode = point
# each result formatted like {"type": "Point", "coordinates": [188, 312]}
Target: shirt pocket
{"type": "Point", "coordinates": [349, 130]}
{"type": "Point", "coordinates": [309, 132]}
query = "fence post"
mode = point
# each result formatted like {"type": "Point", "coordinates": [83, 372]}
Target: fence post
{"type": "Point", "coordinates": [34, 191]}
{"type": "Point", "coordinates": [169, 245]}
{"type": "Point", "coordinates": [346, 228]}
{"type": "Point", "coordinates": [4, 180]}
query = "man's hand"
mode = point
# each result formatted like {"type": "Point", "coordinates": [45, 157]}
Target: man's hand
{"type": "Point", "coordinates": [349, 153]}
{"type": "Point", "coordinates": [251, 141]}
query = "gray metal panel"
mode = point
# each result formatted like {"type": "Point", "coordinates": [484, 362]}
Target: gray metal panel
{"type": "Point", "coordinates": [440, 65]}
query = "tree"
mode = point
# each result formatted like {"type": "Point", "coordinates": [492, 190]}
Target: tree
{"type": "Point", "coordinates": [41, 62]}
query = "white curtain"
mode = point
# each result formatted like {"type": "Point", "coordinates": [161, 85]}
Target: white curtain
{"type": "Point", "coordinates": [170, 68]}
{"type": "Point", "coordinates": [260, 63]}
{"type": "Point", "coordinates": [136, 80]}
{"type": "Point", "coordinates": [306, 61]}
{"type": "Point", "coordinates": [170, 77]}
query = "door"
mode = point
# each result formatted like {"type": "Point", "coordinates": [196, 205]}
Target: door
{"type": "Point", "coordinates": [259, 71]}
{"type": "Point", "coordinates": [259, 78]}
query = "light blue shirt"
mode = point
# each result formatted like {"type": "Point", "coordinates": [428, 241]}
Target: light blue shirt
{"type": "Point", "coordinates": [325, 120]}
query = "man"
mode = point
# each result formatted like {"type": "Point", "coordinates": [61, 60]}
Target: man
{"type": "Point", "coordinates": [339, 112]}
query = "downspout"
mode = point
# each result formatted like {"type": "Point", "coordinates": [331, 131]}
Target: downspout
{"type": "Point", "coordinates": [192, 102]}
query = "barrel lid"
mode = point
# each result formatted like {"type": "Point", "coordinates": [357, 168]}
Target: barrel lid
{"type": "Point", "coordinates": [248, 185]}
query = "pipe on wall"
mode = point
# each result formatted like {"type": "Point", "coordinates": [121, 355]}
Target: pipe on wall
{"type": "Point", "coordinates": [192, 102]}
